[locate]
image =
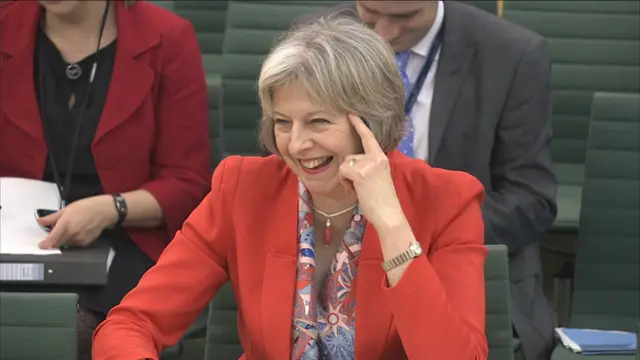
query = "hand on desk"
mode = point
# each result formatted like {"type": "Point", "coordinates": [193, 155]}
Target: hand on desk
{"type": "Point", "coordinates": [80, 223]}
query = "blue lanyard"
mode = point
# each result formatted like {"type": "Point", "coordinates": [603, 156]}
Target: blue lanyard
{"type": "Point", "coordinates": [431, 56]}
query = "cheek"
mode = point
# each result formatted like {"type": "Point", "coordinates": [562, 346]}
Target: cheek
{"type": "Point", "coordinates": [343, 145]}
{"type": "Point", "coordinates": [282, 142]}
{"type": "Point", "coordinates": [354, 141]}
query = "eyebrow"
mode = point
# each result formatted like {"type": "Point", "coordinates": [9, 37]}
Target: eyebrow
{"type": "Point", "coordinates": [307, 115]}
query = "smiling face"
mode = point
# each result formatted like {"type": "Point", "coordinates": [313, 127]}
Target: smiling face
{"type": "Point", "coordinates": [313, 140]}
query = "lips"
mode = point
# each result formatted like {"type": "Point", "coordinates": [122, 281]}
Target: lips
{"type": "Point", "coordinates": [313, 164]}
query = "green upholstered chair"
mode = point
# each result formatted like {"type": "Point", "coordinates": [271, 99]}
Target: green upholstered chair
{"type": "Point", "coordinates": [35, 326]}
{"type": "Point", "coordinates": [490, 6]}
{"type": "Point", "coordinates": [252, 29]}
{"type": "Point", "coordinates": [595, 46]}
{"type": "Point", "coordinates": [167, 4]}
{"type": "Point", "coordinates": [607, 271]}
{"type": "Point", "coordinates": [208, 19]}
{"type": "Point", "coordinates": [214, 89]}
{"type": "Point", "coordinates": [498, 327]}
{"type": "Point", "coordinates": [222, 338]}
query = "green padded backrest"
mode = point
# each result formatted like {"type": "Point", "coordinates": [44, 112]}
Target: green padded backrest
{"type": "Point", "coordinates": [167, 4]}
{"type": "Point", "coordinates": [223, 342]}
{"type": "Point", "coordinates": [37, 326]}
{"type": "Point", "coordinates": [490, 6]}
{"type": "Point", "coordinates": [252, 28]}
{"type": "Point", "coordinates": [607, 280]}
{"type": "Point", "coordinates": [214, 90]}
{"type": "Point", "coordinates": [595, 46]}
{"type": "Point", "coordinates": [498, 302]}
{"type": "Point", "coordinates": [208, 19]}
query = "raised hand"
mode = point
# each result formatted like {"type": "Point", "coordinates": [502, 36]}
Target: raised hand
{"type": "Point", "coordinates": [370, 175]}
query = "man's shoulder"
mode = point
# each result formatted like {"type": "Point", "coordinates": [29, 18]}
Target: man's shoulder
{"type": "Point", "coordinates": [483, 29]}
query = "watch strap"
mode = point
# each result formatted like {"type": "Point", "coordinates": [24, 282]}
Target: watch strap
{"type": "Point", "coordinates": [412, 252]}
{"type": "Point", "coordinates": [121, 207]}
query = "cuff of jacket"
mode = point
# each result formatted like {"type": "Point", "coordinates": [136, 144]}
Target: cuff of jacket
{"type": "Point", "coordinates": [175, 204]}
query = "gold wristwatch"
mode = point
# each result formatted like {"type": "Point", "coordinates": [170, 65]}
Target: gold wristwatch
{"type": "Point", "coordinates": [412, 252]}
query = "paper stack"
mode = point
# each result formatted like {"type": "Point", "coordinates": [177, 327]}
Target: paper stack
{"type": "Point", "coordinates": [19, 198]}
{"type": "Point", "coordinates": [598, 342]}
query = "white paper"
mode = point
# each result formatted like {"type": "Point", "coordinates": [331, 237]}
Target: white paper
{"type": "Point", "coordinates": [112, 254]}
{"type": "Point", "coordinates": [19, 199]}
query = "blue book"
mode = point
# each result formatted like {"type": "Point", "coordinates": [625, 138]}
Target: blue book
{"type": "Point", "coordinates": [598, 342]}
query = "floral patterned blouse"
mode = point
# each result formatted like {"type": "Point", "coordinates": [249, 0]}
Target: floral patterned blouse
{"type": "Point", "coordinates": [324, 327]}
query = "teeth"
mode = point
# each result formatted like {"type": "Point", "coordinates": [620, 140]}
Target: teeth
{"type": "Point", "coordinates": [310, 164]}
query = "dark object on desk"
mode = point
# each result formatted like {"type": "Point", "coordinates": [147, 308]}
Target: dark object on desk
{"type": "Point", "coordinates": [75, 266]}
{"type": "Point", "coordinates": [40, 213]}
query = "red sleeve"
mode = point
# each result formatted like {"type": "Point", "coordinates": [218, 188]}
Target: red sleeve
{"type": "Point", "coordinates": [439, 303]}
{"type": "Point", "coordinates": [181, 162]}
{"type": "Point", "coordinates": [168, 298]}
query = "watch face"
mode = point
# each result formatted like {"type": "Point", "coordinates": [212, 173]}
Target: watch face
{"type": "Point", "coordinates": [417, 249]}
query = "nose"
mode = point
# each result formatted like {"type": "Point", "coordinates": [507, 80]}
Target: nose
{"type": "Point", "coordinates": [300, 139]}
{"type": "Point", "coordinates": [387, 29]}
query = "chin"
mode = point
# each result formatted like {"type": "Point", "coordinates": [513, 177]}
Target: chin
{"type": "Point", "coordinates": [318, 187]}
{"type": "Point", "coordinates": [59, 7]}
{"type": "Point", "coordinates": [323, 186]}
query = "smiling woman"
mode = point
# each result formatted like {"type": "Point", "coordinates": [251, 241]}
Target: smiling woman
{"type": "Point", "coordinates": [333, 225]}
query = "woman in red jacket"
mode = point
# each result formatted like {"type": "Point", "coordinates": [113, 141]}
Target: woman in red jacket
{"type": "Point", "coordinates": [108, 100]}
{"type": "Point", "coordinates": [338, 247]}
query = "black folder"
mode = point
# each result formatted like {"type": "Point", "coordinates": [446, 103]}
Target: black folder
{"type": "Point", "coordinates": [75, 266]}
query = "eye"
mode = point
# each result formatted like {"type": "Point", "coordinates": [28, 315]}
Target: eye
{"type": "Point", "coordinates": [280, 122]}
{"type": "Point", "coordinates": [406, 15]}
{"type": "Point", "coordinates": [320, 121]}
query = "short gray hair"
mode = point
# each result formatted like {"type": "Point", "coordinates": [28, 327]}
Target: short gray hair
{"type": "Point", "coordinates": [343, 65]}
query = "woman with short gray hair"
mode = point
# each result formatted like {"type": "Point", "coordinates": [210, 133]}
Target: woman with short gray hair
{"type": "Point", "coordinates": [339, 65]}
{"type": "Point", "coordinates": [336, 223]}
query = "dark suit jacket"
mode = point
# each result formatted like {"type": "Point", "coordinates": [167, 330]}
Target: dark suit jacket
{"type": "Point", "coordinates": [491, 117]}
{"type": "Point", "coordinates": [247, 234]}
{"type": "Point", "coordinates": [153, 132]}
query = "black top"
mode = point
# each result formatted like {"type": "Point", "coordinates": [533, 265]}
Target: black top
{"type": "Point", "coordinates": [59, 122]}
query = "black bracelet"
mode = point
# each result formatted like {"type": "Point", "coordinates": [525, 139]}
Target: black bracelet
{"type": "Point", "coordinates": [121, 208]}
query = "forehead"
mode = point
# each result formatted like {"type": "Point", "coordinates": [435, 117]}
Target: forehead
{"type": "Point", "coordinates": [393, 8]}
{"type": "Point", "coordinates": [293, 100]}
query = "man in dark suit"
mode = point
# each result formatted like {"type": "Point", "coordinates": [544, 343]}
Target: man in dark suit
{"type": "Point", "coordinates": [484, 107]}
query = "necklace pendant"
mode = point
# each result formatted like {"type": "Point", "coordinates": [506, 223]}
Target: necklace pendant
{"type": "Point", "coordinates": [327, 233]}
{"type": "Point", "coordinates": [73, 71]}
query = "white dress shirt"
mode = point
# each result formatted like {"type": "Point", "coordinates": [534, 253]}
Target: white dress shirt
{"type": "Point", "coordinates": [421, 111]}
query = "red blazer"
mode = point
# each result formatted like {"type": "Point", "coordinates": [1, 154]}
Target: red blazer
{"type": "Point", "coordinates": [245, 231]}
{"type": "Point", "coordinates": [153, 133]}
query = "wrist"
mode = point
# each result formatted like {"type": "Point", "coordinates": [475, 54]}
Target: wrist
{"type": "Point", "coordinates": [109, 211]}
{"type": "Point", "coordinates": [391, 225]}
